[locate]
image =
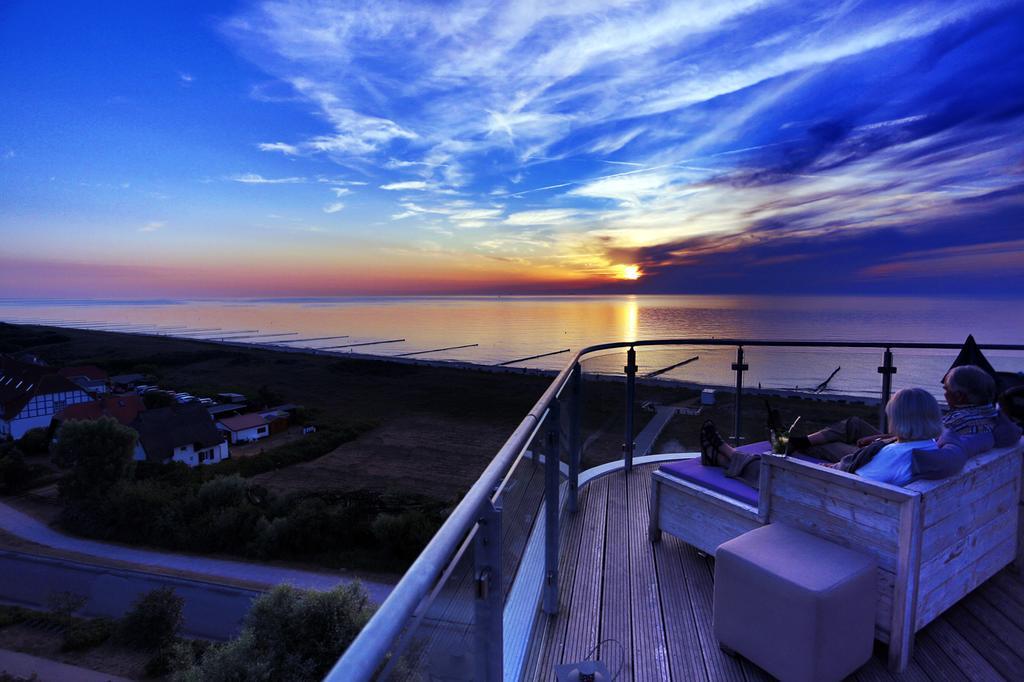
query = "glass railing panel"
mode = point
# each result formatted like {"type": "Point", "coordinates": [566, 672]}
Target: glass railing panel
{"type": "Point", "coordinates": [602, 416]}
{"type": "Point", "coordinates": [521, 499]}
{"type": "Point", "coordinates": [666, 398]}
{"type": "Point", "coordinates": [438, 641]}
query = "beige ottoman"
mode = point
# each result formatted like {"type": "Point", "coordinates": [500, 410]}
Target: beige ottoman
{"type": "Point", "coordinates": [798, 606]}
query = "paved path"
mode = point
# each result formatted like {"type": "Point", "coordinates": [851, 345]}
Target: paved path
{"type": "Point", "coordinates": [645, 439]}
{"type": "Point", "coordinates": [28, 528]}
{"type": "Point", "coordinates": [210, 610]}
{"type": "Point", "coordinates": [24, 665]}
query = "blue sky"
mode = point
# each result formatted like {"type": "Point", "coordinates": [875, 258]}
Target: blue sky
{"type": "Point", "coordinates": [274, 148]}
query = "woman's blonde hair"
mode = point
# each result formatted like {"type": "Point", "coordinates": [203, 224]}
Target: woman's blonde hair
{"type": "Point", "coordinates": [914, 414]}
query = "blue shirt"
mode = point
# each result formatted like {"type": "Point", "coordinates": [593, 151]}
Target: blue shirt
{"type": "Point", "coordinates": [892, 463]}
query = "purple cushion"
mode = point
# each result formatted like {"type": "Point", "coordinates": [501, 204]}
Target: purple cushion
{"type": "Point", "coordinates": [712, 478]}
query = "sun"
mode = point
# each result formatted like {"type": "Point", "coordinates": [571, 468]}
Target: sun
{"type": "Point", "coordinates": [630, 272]}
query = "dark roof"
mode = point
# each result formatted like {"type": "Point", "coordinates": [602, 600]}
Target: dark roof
{"type": "Point", "coordinates": [124, 408]}
{"type": "Point", "coordinates": [128, 378]}
{"type": "Point", "coordinates": [91, 372]}
{"type": "Point", "coordinates": [166, 428]}
{"type": "Point", "coordinates": [221, 409]}
{"type": "Point", "coordinates": [243, 422]}
{"type": "Point", "coordinates": [21, 381]}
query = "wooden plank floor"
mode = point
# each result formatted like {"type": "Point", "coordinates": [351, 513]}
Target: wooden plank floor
{"type": "Point", "coordinates": [645, 610]}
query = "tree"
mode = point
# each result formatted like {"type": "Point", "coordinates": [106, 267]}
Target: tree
{"type": "Point", "coordinates": [14, 472]}
{"type": "Point", "coordinates": [268, 397]}
{"type": "Point", "coordinates": [157, 399]}
{"type": "Point", "coordinates": [289, 634]}
{"type": "Point", "coordinates": [153, 621]}
{"type": "Point", "coordinates": [35, 442]}
{"type": "Point", "coordinates": [99, 453]}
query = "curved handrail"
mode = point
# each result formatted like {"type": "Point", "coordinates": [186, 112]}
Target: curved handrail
{"type": "Point", "coordinates": [364, 656]}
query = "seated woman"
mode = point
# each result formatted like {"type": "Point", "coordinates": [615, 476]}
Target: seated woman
{"type": "Point", "coordinates": [913, 414]}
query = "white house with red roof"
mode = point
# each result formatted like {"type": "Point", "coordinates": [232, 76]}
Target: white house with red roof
{"type": "Point", "coordinates": [245, 428]}
{"type": "Point", "coordinates": [30, 395]}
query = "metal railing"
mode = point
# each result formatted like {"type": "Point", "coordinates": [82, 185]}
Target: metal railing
{"type": "Point", "coordinates": [475, 525]}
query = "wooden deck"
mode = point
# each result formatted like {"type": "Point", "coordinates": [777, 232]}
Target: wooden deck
{"type": "Point", "coordinates": [647, 608]}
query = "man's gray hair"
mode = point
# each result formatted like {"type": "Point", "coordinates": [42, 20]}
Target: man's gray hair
{"type": "Point", "coordinates": [914, 414]}
{"type": "Point", "coordinates": [975, 383]}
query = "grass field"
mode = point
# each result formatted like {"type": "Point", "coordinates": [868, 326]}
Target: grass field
{"type": "Point", "coordinates": [434, 429]}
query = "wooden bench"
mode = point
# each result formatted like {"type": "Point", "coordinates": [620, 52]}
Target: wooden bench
{"type": "Point", "coordinates": [934, 541]}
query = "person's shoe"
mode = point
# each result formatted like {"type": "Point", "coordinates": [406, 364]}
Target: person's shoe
{"type": "Point", "coordinates": [710, 441]}
{"type": "Point", "coordinates": [797, 444]}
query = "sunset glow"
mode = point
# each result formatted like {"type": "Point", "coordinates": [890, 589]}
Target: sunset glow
{"type": "Point", "coordinates": [630, 272]}
{"type": "Point", "coordinates": [603, 146]}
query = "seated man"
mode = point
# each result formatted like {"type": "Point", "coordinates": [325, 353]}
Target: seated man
{"type": "Point", "coordinates": [913, 413]}
{"type": "Point", "coordinates": [970, 393]}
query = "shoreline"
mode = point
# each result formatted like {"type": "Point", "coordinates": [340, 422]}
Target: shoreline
{"type": "Point", "coordinates": [481, 367]}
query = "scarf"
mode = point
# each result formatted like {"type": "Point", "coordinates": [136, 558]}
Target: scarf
{"type": "Point", "coordinates": [972, 419]}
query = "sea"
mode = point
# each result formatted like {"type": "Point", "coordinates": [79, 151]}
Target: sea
{"type": "Point", "coordinates": [492, 330]}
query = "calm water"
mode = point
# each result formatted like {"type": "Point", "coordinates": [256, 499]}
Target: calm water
{"type": "Point", "coordinates": [506, 328]}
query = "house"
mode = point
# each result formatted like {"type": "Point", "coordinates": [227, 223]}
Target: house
{"type": "Point", "coordinates": [124, 408]}
{"type": "Point", "coordinates": [277, 419]}
{"type": "Point", "coordinates": [232, 398]}
{"type": "Point", "coordinates": [180, 433]}
{"type": "Point", "coordinates": [245, 428]}
{"type": "Point", "coordinates": [90, 378]}
{"type": "Point", "coordinates": [216, 411]}
{"type": "Point", "coordinates": [128, 381]}
{"type": "Point", "coordinates": [31, 394]}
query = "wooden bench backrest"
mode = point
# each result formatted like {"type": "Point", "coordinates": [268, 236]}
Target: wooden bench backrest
{"type": "Point", "coordinates": [969, 529]}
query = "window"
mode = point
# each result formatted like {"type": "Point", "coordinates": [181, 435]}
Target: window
{"type": "Point", "coordinates": [261, 430]}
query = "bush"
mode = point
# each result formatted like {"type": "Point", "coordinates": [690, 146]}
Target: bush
{"type": "Point", "coordinates": [12, 615]}
{"type": "Point", "coordinates": [223, 491]}
{"type": "Point", "coordinates": [64, 604]}
{"type": "Point", "coordinates": [15, 474]}
{"type": "Point", "coordinates": [153, 621]}
{"type": "Point", "coordinates": [157, 399]}
{"type": "Point", "coordinates": [288, 634]}
{"type": "Point", "coordinates": [86, 634]}
{"type": "Point", "coordinates": [35, 442]}
{"type": "Point", "coordinates": [404, 535]}
{"type": "Point", "coordinates": [302, 450]}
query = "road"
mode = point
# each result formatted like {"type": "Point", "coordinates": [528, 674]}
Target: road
{"type": "Point", "coordinates": [25, 665]}
{"type": "Point", "coordinates": [210, 610]}
{"type": "Point", "coordinates": [28, 528]}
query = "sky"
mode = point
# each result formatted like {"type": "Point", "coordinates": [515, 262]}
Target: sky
{"type": "Point", "coordinates": [209, 149]}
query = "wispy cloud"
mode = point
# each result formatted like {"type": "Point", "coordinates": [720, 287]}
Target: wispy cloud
{"type": "Point", "coordinates": [334, 208]}
{"type": "Point", "coordinates": [405, 185]}
{"type": "Point", "coordinates": [256, 179]}
{"type": "Point", "coordinates": [724, 117]}
{"type": "Point", "coordinates": [153, 226]}
{"type": "Point", "coordinates": [283, 147]}
{"type": "Point", "coordinates": [185, 78]}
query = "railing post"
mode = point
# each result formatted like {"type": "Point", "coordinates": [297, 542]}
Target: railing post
{"type": "Point", "coordinates": [576, 407]}
{"type": "Point", "coordinates": [886, 370]}
{"type": "Point", "coordinates": [551, 510]}
{"type": "Point", "coordinates": [489, 604]}
{"type": "Point", "coordinates": [628, 444]}
{"type": "Point", "coordinates": [739, 367]}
